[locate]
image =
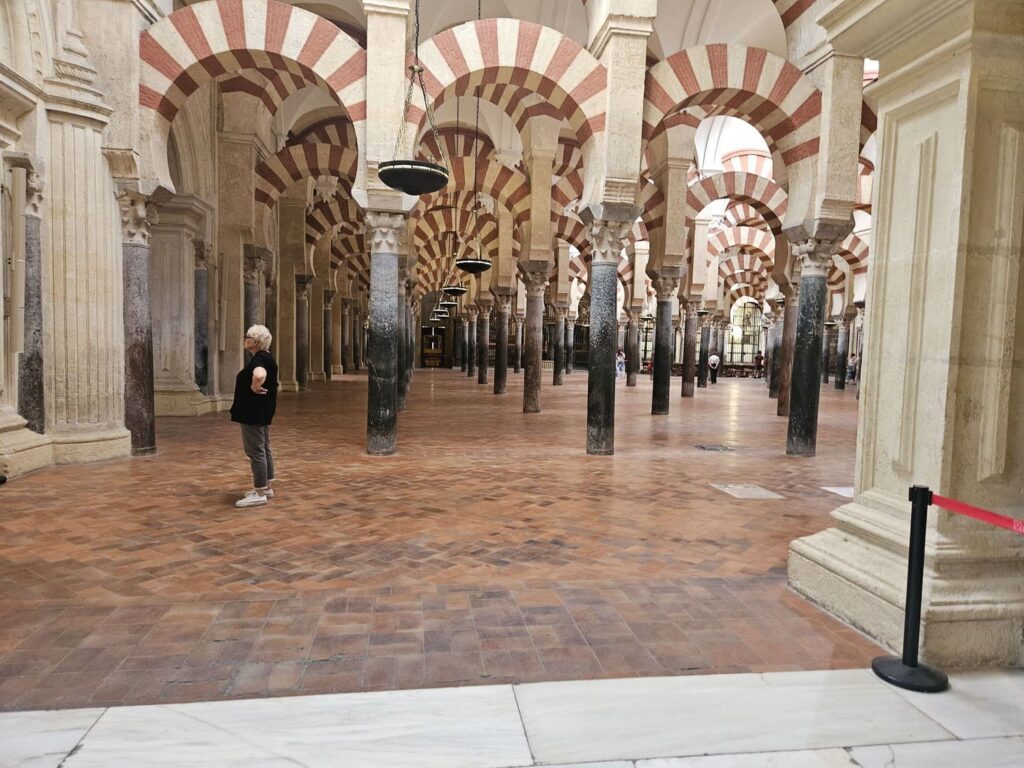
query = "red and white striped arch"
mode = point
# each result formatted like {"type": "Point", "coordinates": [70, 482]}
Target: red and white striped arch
{"type": "Point", "coordinates": [740, 214]}
{"type": "Point", "coordinates": [751, 83]}
{"type": "Point", "coordinates": [854, 251]}
{"type": "Point", "coordinates": [510, 187]}
{"type": "Point", "coordinates": [519, 103]}
{"type": "Point", "coordinates": [767, 197]}
{"type": "Point", "coordinates": [299, 161]}
{"type": "Point", "coordinates": [523, 55]}
{"type": "Point", "coordinates": [349, 252]}
{"type": "Point", "coordinates": [336, 130]}
{"type": "Point", "coordinates": [748, 239]}
{"type": "Point", "coordinates": [456, 142]}
{"type": "Point", "coordinates": [654, 206]}
{"type": "Point", "coordinates": [743, 264]}
{"type": "Point", "coordinates": [271, 86]}
{"type": "Point", "coordinates": [341, 213]}
{"type": "Point", "coordinates": [218, 37]}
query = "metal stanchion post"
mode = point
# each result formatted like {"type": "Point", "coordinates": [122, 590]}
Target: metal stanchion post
{"type": "Point", "coordinates": [906, 672]}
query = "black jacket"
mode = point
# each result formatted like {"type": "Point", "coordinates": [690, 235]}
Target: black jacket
{"type": "Point", "coordinates": [248, 407]}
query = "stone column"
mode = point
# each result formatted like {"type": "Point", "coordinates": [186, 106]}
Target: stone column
{"type": "Point", "coordinates": [410, 350]}
{"type": "Point", "coordinates": [777, 332]}
{"type": "Point", "coordinates": [253, 268]}
{"type": "Point", "coordinates": [385, 232]}
{"type": "Point", "coordinates": [689, 350]}
{"type": "Point", "coordinates": [483, 344]}
{"type": "Point", "coordinates": [464, 345]}
{"type": "Point", "coordinates": [328, 350]}
{"type": "Point", "coordinates": [201, 289]}
{"type": "Point", "coordinates": [570, 343]}
{"type": "Point", "coordinates": [303, 285]}
{"type": "Point", "coordinates": [31, 387]}
{"type": "Point", "coordinates": [667, 287]}
{"type": "Point", "coordinates": [632, 349]}
{"type": "Point", "coordinates": [558, 339]}
{"type": "Point", "coordinates": [358, 340]}
{"type": "Point", "coordinates": [137, 214]}
{"type": "Point", "coordinates": [826, 350]}
{"type": "Point", "coordinates": [705, 340]}
{"type": "Point", "coordinates": [347, 337]}
{"type": "Point", "coordinates": [815, 256]}
{"type": "Point", "coordinates": [502, 304]}
{"type": "Point", "coordinates": [606, 238]}
{"type": "Point", "coordinates": [472, 353]}
{"type": "Point", "coordinates": [402, 337]}
{"type": "Point", "coordinates": [833, 348]}
{"type": "Point", "coordinates": [457, 333]}
{"type": "Point", "coordinates": [337, 338]}
{"type": "Point", "coordinates": [842, 352]}
{"type": "Point", "coordinates": [519, 346]}
{"type": "Point", "coordinates": [536, 282]}
{"type": "Point", "coordinates": [788, 343]}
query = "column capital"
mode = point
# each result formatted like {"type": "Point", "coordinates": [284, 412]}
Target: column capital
{"type": "Point", "coordinates": [472, 310]}
{"type": "Point", "coordinates": [329, 297]}
{"type": "Point", "coordinates": [815, 255]}
{"type": "Point", "coordinates": [502, 302]}
{"type": "Point", "coordinates": [138, 214]}
{"type": "Point", "coordinates": [535, 280]}
{"type": "Point", "coordinates": [34, 186]}
{"type": "Point", "coordinates": [606, 239]}
{"type": "Point", "coordinates": [253, 265]}
{"type": "Point", "coordinates": [560, 311]}
{"type": "Point", "coordinates": [666, 286]}
{"type": "Point", "coordinates": [384, 231]}
{"type": "Point", "coordinates": [302, 284]}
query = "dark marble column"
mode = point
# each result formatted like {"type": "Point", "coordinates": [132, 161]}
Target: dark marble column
{"type": "Point", "coordinates": [402, 340]}
{"type": "Point", "coordinates": [270, 305]}
{"type": "Point", "coordinates": [518, 357]}
{"type": "Point", "coordinates": [346, 336]}
{"type": "Point", "coordinates": [777, 332]}
{"type": "Point", "coordinates": [689, 351]}
{"type": "Point", "coordinates": [303, 284]}
{"type": "Point", "coordinates": [801, 439]}
{"type": "Point", "coordinates": [410, 334]}
{"type": "Point", "coordinates": [31, 400]}
{"type": "Point", "coordinates": [201, 289]}
{"type": "Point", "coordinates": [664, 337]}
{"type": "Point", "coordinates": [254, 265]}
{"type": "Point", "coordinates": [464, 345]}
{"type": "Point", "coordinates": [536, 282]}
{"type": "Point", "coordinates": [328, 331]}
{"type": "Point", "coordinates": [705, 340]}
{"type": "Point", "coordinates": [459, 325]}
{"type": "Point", "coordinates": [357, 338]}
{"type": "Point", "coordinates": [483, 344]}
{"type": "Point", "coordinates": [788, 346]}
{"type": "Point", "coordinates": [137, 214]}
{"type": "Point", "coordinates": [826, 351]}
{"type": "Point", "coordinates": [502, 304]}
{"type": "Point", "coordinates": [472, 353]}
{"type": "Point", "coordinates": [558, 337]}
{"type": "Point", "coordinates": [384, 231]}
{"type": "Point", "coordinates": [842, 353]}
{"type": "Point", "coordinates": [570, 343]}
{"type": "Point", "coordinates": [833, 343]}
{"type": "Point", "coordinates": [606, 238]}
{"type": "Point", "coordinates": [632, 349]}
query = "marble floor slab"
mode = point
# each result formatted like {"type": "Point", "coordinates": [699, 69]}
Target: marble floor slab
{"type": "Point", "coordinates": [472, 727]}
{"type": "Point", "coordinates": [846, 491]}
{"type": "Point", "coordinates": [976, 753]}
{"type": "Point", "coordinates": [824, 758]}
{"type": "Point", "coordinates": [42, 739]}
{"type": "Point", "coordinates": [723, 714]}
{"type": "Point", "coordinates": [746, 491]}
{"type": "Point", "coordinates": [977, 705]}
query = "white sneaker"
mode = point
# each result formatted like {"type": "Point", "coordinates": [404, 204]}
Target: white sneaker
{"type": "Point", "coordinates": [251, 499]}
{"type": "Point", "coordinates": [269, 493]}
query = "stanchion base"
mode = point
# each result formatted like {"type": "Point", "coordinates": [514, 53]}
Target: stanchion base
{"type": "Point", "coordinates": [921, 678]}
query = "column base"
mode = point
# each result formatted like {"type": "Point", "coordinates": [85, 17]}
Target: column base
{"type": "Point", "coordinates": [288, 386]}
{"type": "Point", "coordinates": [21, 449]}
{"type": "Point", "coordinates": [184, 402]}
{"type": "Point", "coordinates": [112, 442]}
{"type": "Point", "coordinates": [858, 572]}
{"type": "Point", "coordinates": [318, 376]}
{"type": "Point", "coordinates": [337, 370]}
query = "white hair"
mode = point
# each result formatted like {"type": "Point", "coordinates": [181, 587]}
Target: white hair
{"type": "Point", "coordinates": [261, 336]}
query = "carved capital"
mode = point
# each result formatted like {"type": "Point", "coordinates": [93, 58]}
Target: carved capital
{"type": "Point", "coordinates": [472, 311]}
{"type": "Point", "coordinates": [536, 281]}
{"type": "Point", "coordinates": [502, 302]}
{"type": "Point", "coordinates": [384, 231]}
{"type": "Point", "coordinates": [606, 239]}
{"type": "Point", "coordinates": [138, 214]}
{"type": "Point", "coordinates": [34, 186]}
{"type": "Point", "coordinates": [666, 286]}
{"type": "Point", "coordinates": [253, 265]}
{"type": "Point", "coordinates": [329, 298]}
{"type": "Point", "coordinates": [815, 256]}
{"type": "Point", "coordinates": [201, 254]}
{"type": "Point", "coordinates": [302, 284]}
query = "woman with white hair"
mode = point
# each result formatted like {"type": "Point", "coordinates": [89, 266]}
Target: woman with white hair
{"type": "Point", "coordinates": [253, 407]}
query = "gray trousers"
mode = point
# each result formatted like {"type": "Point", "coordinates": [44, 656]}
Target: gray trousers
{"type": "Point", "coordinates": [256, 443]}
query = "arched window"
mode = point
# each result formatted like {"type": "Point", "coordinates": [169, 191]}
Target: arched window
{"type": "Point", "coordinates": [744, 334]}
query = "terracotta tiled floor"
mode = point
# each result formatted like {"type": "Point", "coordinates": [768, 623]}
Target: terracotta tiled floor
{"type": "Point", "coordinates": [490, 549]}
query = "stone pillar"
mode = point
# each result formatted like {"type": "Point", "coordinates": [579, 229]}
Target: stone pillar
{"type": "Point", "coordinates": [632, 349]}
{"type": "Point", "coordinates": [842, 352]}
{"type": "Point", "coordinates": [137, 214]}
{"type": "Point", "coordinates": [385, 233]}
{"type": "Point", "coordinates": [826, 349]}
{"type": "Point", "coordinates": [31, 387]}
{"type": "Point", "coordinates": [788, 346]}
{"type": "Point", "coordinates": [358, 340]}
{"type": "Point", "coordinates": [464, 345]}
{"type": "Point", "coordinates": [253, 268]}
{"type": "Point", "coordinates": [328, 351]}
{"type": "Point", "coordinates": [606, 239]}
{"type": "Point", "coordinates": [667, 287]}
{"type": "Point", "coordinates": [347, 337]}
{"type": "Point", "coordinates": [337, 338]}
{"type": "Point", "coordinates": [483, 344]}
{"type": "Point", "coordinates": [201, 291]}
{"type": "Point", "coordinates": [303, 285]}
{"type": "Point", "coordinates": [558, 337]}
{"type": "Point", "coordinates": [689, 350]}
{"type": "Point", "coordinates": [777, 332]}
{"type": "Point", "coordinates": [815, 256]}
{"type": "Point", "coordinates": [410, 329]}
{"type": "Point", "coordinates": [402, 338]}
{"type": "Point", "coordinates": [570, 344]}
{"type": "Point", "coordinates": [459, 325]}
{"type": "Point", "coordinates": [519, 346]}
{"type": "Point", "coordinates": [705, 340]}
{"type": "Point", "coordinates": [502, 304]}
{"type": "Point", "coordinates": [472, 353]}
{"type": "Point", "coordinates": [536, 282]}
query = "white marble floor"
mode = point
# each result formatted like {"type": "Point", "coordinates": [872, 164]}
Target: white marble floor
{"type": "Point", "coordinates": [832, 719]}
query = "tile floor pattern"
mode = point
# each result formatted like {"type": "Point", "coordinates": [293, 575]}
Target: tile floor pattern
{"type": "Point", "coordinates": [490, 549]}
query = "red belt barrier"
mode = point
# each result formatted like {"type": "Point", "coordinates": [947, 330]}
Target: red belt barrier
{"type": "Point", "coordinates": [1002, 521]}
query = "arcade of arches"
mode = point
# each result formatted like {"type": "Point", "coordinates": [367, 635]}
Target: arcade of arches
{"type": "Point", "coordinates": [828, 195]}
